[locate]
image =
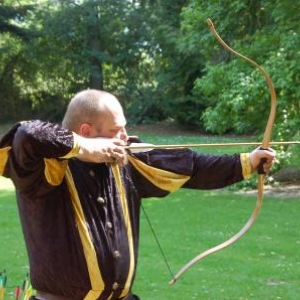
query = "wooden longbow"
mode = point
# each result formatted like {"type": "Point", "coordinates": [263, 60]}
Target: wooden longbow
{"type": "Point", "coordinates": [264, 145]}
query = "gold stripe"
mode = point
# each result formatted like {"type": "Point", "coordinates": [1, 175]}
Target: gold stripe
{"type": "Point", "coordinates": [88, 247]}
{"type": "Point", "coordinates": [120, 186]}
{"type": "Point", "coordinates": [75, 150]}
{"type": "Point", "coordinates": [165, 180]}
{"type": "Point", "coordinates": [92, 295]}
{"type": "Point", "coordinates": [3, 158]}
{"type": "Point", "coordinates": [246, 165]}
{"type": "Point", "coordinates": [55, 170]}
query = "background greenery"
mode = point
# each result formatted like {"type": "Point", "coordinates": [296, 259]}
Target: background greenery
{"type": "Point", "coordinates": [157, 56]}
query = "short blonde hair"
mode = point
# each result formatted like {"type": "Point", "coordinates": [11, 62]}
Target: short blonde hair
{"type": "Point", "coordinates": [85, 106]}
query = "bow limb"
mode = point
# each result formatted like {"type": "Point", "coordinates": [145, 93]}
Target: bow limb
{"type": "Point", "coordinates": [270, 123]}
{"type": "Point", "coordinates": [261, 176]}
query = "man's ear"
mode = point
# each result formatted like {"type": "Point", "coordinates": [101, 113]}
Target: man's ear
{"type": "Point", "coordinates": [85, 130]}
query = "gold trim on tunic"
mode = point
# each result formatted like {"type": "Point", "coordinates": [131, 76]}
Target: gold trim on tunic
{"type": "Point", "coordinates": [3, 158]}
{"type": "Point", "coordinates": [96, 280]}
{"type": "Point", "coordinates": [246, 165]}
{"type": "Point", "coordinates": [55, 170]}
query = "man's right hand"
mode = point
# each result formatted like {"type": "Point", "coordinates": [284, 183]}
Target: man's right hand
{"type": "Point", "coordinates": [102, 150]}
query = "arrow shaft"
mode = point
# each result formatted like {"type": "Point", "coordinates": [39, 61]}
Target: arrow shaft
{"type": "Point", "coordinates": [181, 146]}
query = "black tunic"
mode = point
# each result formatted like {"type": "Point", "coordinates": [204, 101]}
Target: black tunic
{"type": "Point", "coordinates": [81, 220]}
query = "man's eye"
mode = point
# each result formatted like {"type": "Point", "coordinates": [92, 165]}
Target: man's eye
{"type": "Point", "coordinates": [115, 131]}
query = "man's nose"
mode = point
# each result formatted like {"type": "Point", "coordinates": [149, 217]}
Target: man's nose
{"type": "Point", "coordinates": [123, 135]}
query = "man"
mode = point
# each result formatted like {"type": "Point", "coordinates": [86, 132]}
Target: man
{"type": "Point", "coordinates": [79, 192]}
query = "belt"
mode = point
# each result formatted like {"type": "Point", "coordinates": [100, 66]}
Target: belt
{"type": "Point", "coordinates": [129, 296]}
{"type": "Point", "coordinates": [48, 296]}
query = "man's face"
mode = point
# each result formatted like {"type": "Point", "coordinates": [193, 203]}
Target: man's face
{"type": "Point", "coordinates": [111, 125]}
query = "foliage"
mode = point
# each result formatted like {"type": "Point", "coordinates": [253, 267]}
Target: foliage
{"type": "Point", "coordinates": [12, 40]}
{"type": "Point", "coordinates": [96, 45]}
{"type": "Point", "coordinates": [158, 57]}
{"type": "Point", "coordinates": [233, 88]}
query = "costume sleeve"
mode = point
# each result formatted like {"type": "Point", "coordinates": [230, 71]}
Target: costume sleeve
{"type": "Point", "coordinates": [215, 171]}
{"type": "Point", "coordinates": [36, 139]}
{"type": "Point", "coordinates": [29, 147]}
{"type": "Point", "coordinates": [159, 172]}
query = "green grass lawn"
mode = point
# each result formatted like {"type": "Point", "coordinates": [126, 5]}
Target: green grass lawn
{"type": "Point", "coordinates": [264, 264]}
{"type": "Point", "coordinates": [13, 256]}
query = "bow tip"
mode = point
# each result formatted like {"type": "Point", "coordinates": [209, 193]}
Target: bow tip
{"type": "Point", "coordinates": [173, 281]}
{"type": "Point", "coordinates": [209, 22]}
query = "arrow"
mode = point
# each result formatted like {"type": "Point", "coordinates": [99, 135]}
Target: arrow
{"type": "Point", "coordinates": [144, 147]}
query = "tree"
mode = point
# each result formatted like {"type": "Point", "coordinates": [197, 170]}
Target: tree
{"type": "Point", "coordinates": [13, 37]}
{"type": "Point", "coordinates": [80, 44]}
{"type": "Point", "coordinates": [157, 56]}
{"type": "Point", "coordinates": [230, 86]}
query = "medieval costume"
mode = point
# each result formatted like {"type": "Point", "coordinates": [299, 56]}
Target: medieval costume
{"type": "Point", "coordinates": [81, 220]}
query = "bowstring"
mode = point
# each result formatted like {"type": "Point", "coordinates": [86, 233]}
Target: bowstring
{"type": "Point", "coordinates": [153, 232]}
{"type": "Point", "coordinates": [202, 35]}
{"type": "Point", "coordinates": [157, 242]}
